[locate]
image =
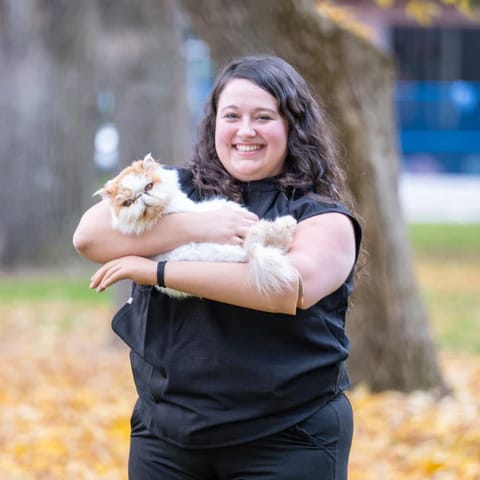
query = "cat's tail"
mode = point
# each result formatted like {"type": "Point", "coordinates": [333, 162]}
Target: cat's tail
{"type": "Point", "coordinates": [270, 269]}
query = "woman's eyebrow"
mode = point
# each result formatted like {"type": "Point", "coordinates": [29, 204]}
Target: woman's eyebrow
{"type": "Point", "coordinates": [226, 107]}
{"type": "Point", "coordinates": [265, 109]}
{"type": "Point", "coordinates": [258, 109]}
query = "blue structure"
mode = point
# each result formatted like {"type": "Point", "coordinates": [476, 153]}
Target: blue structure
{"type": "Point", "coordinates": [439, 126]}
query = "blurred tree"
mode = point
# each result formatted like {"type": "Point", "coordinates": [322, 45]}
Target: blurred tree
{"type": "Point", "coordinates": [57, 56]}
{"type": "Point", "coordinates": [141, 63]}
{"type": "Point", "coordinates": [392, 346]}
{"type": "Point", "coordinates": [46, 123]}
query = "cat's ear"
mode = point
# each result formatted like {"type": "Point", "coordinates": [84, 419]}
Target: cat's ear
{"type": "Point", "coordinates": [99, 192]}
{"type": "Point", "coordinates": [105, 191]}
{"type": "Point", "coordinates": [149, 161]}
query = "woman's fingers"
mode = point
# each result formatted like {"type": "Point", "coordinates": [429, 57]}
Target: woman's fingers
{"type": "Point", "coordinates": [106, 275]}
{"type": "Point", "coordinates": [231, 225]}
{"type": "Point", "coordinates": [98, 276]}
{"type": "Point", "coordinates": [242, 231]}
{"type": "Point", "coordinates": [111, 276]}
{"type": "Point", "coordinates": [251, 217]}
{"type": "Point", "coordinates": [140, 270]}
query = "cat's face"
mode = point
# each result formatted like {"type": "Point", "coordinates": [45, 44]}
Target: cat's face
{"type": "Point", "coordinates": [138, 195]}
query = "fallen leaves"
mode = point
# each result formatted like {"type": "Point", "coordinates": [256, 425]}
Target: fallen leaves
{"type": "Point", "coordinates": [66, 396]}
{"type": "Point", "coordinates": [67, 393]}
{"type": "Point", "coordinates": [418, 436]}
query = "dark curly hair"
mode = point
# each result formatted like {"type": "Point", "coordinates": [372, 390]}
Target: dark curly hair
{"type": "Point", "coordinates": [311, 164]}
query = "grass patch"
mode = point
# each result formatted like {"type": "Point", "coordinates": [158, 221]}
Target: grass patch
{"type": "Point", "coordinates": [36, 287]}
{"type": "Point", "coordinates": [463, 336]}
{"type": "Point", "coordinates": [455, 320]}
{"type": "Point", "coordinates": [447, 266]}
{"type": "Point", "coordinates": [445, 240]}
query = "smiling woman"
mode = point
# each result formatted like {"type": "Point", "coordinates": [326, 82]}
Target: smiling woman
{"type": "Point", "coordinates": [250, 134]}
{"type": "Point", "coordinates": [233, 382]}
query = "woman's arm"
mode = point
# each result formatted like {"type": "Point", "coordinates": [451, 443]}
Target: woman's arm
{"type": "Point", "coordinates": [323, 253]}
{"type": "Point", "coordinates": [95, 239]}
{"type": "Point", "coordinates": [222, 282]}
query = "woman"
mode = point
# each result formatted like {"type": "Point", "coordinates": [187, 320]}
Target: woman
{"type": "Point", "coordinates": [232, 383]}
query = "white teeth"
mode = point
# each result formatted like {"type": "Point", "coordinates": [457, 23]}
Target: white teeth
{"type": "Point", "coordinates": [247, 148]}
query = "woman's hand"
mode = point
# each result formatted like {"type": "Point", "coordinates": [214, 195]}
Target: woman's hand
{"type": "Point", "coordinates": [141, 270]}
{"type": "Point", "coordinates": [226, 225]}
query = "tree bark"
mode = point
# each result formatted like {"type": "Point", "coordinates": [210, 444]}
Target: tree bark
{"type": "Point", "coordinates": [392, 347]}
{"type": "Point", "coordinates": [141, 63]}
{"type": "Point", "coordinates": [46, 127]}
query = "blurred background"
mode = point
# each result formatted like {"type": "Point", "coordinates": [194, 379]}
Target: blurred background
{"type": "Point", "coordinates": [88, 86]}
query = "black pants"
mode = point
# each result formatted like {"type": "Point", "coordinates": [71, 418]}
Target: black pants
{"type": "Point", "coordinates": [317, 448]}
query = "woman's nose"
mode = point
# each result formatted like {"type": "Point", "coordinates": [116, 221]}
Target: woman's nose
{"type": "Point", "coordinates": [246, 129]}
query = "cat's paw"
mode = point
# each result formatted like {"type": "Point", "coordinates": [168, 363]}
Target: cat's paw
{"type": "Point", "coordinates": [285, 224]}
{"type": "Point", "coordinates": [278, 233]}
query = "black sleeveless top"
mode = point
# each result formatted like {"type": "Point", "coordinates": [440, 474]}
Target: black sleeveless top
{"type": "Point", "coordinates": [209, 374]}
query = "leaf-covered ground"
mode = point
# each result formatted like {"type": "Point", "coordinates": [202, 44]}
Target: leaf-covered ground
{"type": "Point", "coordinates": [66, 395]}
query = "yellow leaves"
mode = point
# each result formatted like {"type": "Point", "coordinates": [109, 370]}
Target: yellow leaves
{"type": "Point", "coordinates": [119, 429]}
{"type": "Point", "coordinates": [426, 11]}
{"type": "Point", "coordinates": [344, 17]}
{"type": "Point", "coordinates": [423, 11]}
{"type": "Point", "coordinates": [66, 395]}
{"type": "Point", "coordinates": [385, 3]}
{"type": "Point", "coordinates": [464, 6]}
{"type": "Point", "coordinates": [417, 436]}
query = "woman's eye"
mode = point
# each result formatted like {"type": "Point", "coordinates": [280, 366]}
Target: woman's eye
{"type": "Point", "coordinates": [230, 116]}
{"type": "Point", "coordinates": [264, 117]}
{"type": "Point", "coordinates": [148, 186]}
{"type": "Point", "coordinates": [127, 203]}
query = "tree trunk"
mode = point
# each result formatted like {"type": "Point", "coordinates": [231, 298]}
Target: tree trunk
{"type": "Point", "coordinates": [46, 127]}
{"type": "Point", "coordinates": [391, 342]}
{"type": "Point", "coordinates": [141, 63]}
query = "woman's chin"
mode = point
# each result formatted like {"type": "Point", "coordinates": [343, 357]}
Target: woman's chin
{"type": "Point", "coordinates": [247, 171]}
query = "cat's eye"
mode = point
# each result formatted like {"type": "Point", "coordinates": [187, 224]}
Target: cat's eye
{"type": "Point", "coordinates": [127, 203]}
{"type": "Point", "coordinates": [148, 186]}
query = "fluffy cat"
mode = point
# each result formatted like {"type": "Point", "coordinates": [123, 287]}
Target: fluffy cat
{"type": "Point", "coordinates": [141, 193]}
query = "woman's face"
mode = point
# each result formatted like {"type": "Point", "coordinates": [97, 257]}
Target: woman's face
{"type": "Point", "coordinates": [250, 134]}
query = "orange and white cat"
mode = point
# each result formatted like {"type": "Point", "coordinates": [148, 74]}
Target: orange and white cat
{"type": "Point", "coordinates": [144, 191]}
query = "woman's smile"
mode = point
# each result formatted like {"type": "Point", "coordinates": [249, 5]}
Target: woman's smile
{"type": "Point", "coordinates": [247, 148]}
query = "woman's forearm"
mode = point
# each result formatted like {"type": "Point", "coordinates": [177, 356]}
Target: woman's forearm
{"type": "Point", "coordinates": [228, 283]}
{"type": "Point", "coordinates": [222, 282]}
{"type": "Point", "coordinates": [95, 238]}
